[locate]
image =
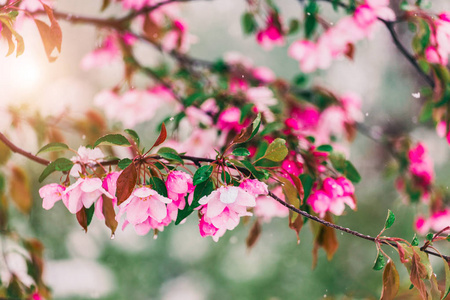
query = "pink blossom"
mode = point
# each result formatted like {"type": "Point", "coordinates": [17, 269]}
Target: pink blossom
{"type": "Point", "coordinates": [229, 119]}
{"type": "Point", "coordinates": [292, 167]}
{"type": "Point", "coordinates": [271, 35]}
{"type": "Point", "coordinates": [224, 207]}
{"type": "Point", "coordinates": [254, 187]}
{"type": "Point", "coordinates": [106, 54]}
{"type": "Point", "coordinates": [267, 208]}
{"type": "Point", "coordinates": [201, 142]}
{"type": "Point", "coordinates": [34, 5]}
{"type": "Point", "coordinates": [441, 129]}
{"type": "Point", "coordinates": [421, 167]}
{"type": "Point", "coordinates": [132, 108]}
{"type": "Point", "coordinates": [145, 209]}
{"type": "Point", "coordinates": [440, 220]}
{"type": "Point", "coordinates": [236, 58]}
{"type": "Point", "coordinates": [179, 184]}
{"type": "Point", "coordinates": [262, 97]}
{"type": "Point", "coordinates": [264, 74]}
{"type": "Point", "coordinates": [197, 116]}
{"type": "Point", "coordinates": [177, 38]}
{"type": "Point", "coordinates": [421, 225]}
{"type": "Point", "coordinates": [51, 193]}
{"type": "Point", "coordinates": [134, 4]}
{"type": "Point", "coordinates": [434, 57]}
{"type": "Point", "coordinates": [110, 185]}
{"type": "Point", "coordinates": [206, 229]}
{"type": "Point", "coordinates": [332, 197]}
{"type": "Point", "coordinates": [85, 156]}
{"type": "Point", "coordinates": [84, 192]}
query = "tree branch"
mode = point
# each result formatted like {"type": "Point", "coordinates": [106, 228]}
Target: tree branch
{"type": "Point", "coordinates": [16, 149]}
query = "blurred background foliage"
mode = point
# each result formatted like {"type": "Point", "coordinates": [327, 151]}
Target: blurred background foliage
{"type": "Point", "coordinates": [180, 264]}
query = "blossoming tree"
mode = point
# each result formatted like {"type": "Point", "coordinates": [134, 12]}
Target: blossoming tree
{"type": "Point", "coordinates": [258, 146]}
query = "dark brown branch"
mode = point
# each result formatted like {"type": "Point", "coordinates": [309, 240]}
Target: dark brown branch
{"type": "Point", "coordinates": [16, 149]}
{"type": "Point", "coordinates": [344, 229]}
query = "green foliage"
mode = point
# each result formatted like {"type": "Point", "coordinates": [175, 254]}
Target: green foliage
{"type": "Point", "coordinates": [112, 140]}
{"type": "Point", "coordinates": [380, 262]}
{"type": "Point", "coordinates": [240, 152]}
{"type": "Point", "coordinates": [249, 24]}
{"type": "Point", "coordinates": [202, 174]}
{"type": "Point", "coordinates": [277, 150]}
{"type": "Point", "coordinates": [389, 220]}
{"type": "Point", "coordinates": [60, 164]}
{"type": "Point", "coordinates": [53, 147]}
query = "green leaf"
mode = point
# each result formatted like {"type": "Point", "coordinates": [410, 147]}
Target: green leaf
{"type": "Point", "coordinates": [53, 147]}
{"type": "Point", "coordinates": [277, 150]}
{"type": "Point", "coordinates": [112, 139]}
{"type": "Point", "coordinates": [307, 182]}
{"type": "Point", "coordinates": [258, 174]}
{"type": "Point", "coordinates": [2, 183]}
{"type": "Point", "coordinates": [426, 112]}
{"type": "Point", "coordinates": [158, 185]}
{"type": "Point", "coordinates": [245, 110]}
{"type": "Point", "coordinates": [294, 26]}
{"type": "Point", "coordinates": [171, 156]}
{"type": "Point", "coordinates": [390, 219]}
{"type": "Point", "coordinates": [325, 148]}
{"type": "Point", "coordinates": [202, 174]}
{"type": "Point", "coordinates": [447, 238]}
{"type": "Point", "coordinates": [271, 127]}
{"type": "Point", "coordinates": [240, 152]}
{"type": "Point", "coordinates": [310, 18]}
{"type": "Point", "coordinates": [255, 126]}
{"type": "Point", "coordinates": [134, 136]}
{"type": "Point", "coordinates": [123, 163]}
{"type": "Point", "coordinates": [61, 164]}
{"type": "Point", "coordinates": [203, 189]}
{"type": "Point", "coordinates": [167, 150]}
{"type": "Point", "coordinates": [404, 5]}
{"type": "Point", "coordinates": [249, 24]}
{"type": "Point", "coordinates": [351, 173]}
{"type": "Point", "coordinates": [380, 262]}
{"type": "Point", "coordinates": [90, 214]}
{"type": "Point", "coordinates": [447, 279]}
{"type": "Point", "coordinates": [415, 241]}
{"type": "Point", "coordinates": [429, 237]}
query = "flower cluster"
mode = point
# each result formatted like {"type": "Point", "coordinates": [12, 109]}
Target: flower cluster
{"type": "Point", "coordinates": [438, 221]}
{"type": "Point", "coordinates": [439, 49]}
{"type": "Point", "coordinates": [338, 40]}
{"type": "Point", "coordinates": [222, 209]}
{"type": "Point", "coordinates": [333, 196]}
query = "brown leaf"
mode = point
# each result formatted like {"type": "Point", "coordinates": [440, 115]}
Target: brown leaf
{"type": "Point", "coordinates": [404, 256]}
{"type": "Point", "coordinates": [8, 32]}
{"type": "Point", "coordinates": [253, 235]}
{"type": "Point", "coordinates": [151, 30]}
{"type": "Point", "coordinates": [391, 282]}
{"type": "Point", "coordinates": [350, 51]}
{"type": "Point", "coordinates": [162, 136]}
{"type": "Point", "coordinates": [296, 224]}
{"type": "Point", "coordinates": [244, 135]}
{"type": "Point", "coordinates": [19, 189]}
{"type": "Point", "coordinates": [5, 153]}
{"type": "Point", "coordinates": [109, 213]}
{"type": "Point", "coordinates": [126, 183]}
{"type": "Point", "coordinates": [82, 218]}
{"type": "Point", "coordinates": [299, 186]}
{"type": "Point", "coordinates": [325, 238]}
{"type": "Point", "coordinates": [51, 36]}
{"type": "Point", "coordinates": [7, 35]}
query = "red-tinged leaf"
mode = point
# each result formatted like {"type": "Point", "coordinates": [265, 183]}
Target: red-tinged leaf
{"type": "Point", "coordinates": [126, 183]}
{"type": "Point", "coordinates": [291, 195]}
{"type": "Point", "coordinates": [82, 218]}
{"type": "Point", "coordinates": [391, 282]}
{"type": "Point", "coordinates": [8, 32]}
{"type": "Point", "coordinates": [253, 235]}
{"type": "Point", "coordinates": [296, 224]}
{"type": "Point", "coordinates": [350, 51]}
{"type": "Point", "coordinates": [109, 213]}
{"type": "Point", "coordinates": [447, 278]}
{"type": "Point", "coordinates": [162, 136]}
{"type": "Point", "coordinates": [47, 40]}
{"type": "Point", "coordinates": [151, 29]}
{"type": "Point", "coordinates": [417, 273]}
{"type": "Point", "coordinates": [402, 253]}
{"type": "Point", "coordinates": [299, 186]}
{"type": "Point", "coordinates": [19, 189]}
{"type": "Point", "coordinates": [243, 136]}
{"type": "Point", "coordinates": [7, 35]}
